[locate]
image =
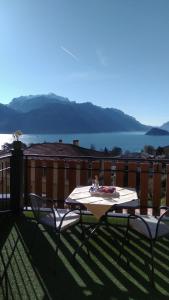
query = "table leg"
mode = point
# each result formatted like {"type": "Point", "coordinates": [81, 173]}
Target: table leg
{"type": "Point", "coordinates": [86, 239]}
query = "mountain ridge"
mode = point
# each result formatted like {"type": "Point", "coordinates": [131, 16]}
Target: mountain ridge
{"type": "Point", "coordinates": [56, 114]}
{"type": "Point", "coordinates": [165, 126]}
{"type": "Point", "coordinates": [34, 101]}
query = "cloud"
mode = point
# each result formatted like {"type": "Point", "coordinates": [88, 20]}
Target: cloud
{"type": "Point", "coordinates": [69, 53]}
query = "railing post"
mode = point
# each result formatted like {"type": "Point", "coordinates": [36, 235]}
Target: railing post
{"type": "Point", "coordinates": [17, 177]}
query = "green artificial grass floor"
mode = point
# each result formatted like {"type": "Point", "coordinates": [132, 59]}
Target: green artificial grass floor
{"type": "Point", "coordinates": [35, 272]}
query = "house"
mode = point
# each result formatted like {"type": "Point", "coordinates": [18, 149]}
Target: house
{"type": "Point", "coordinates": [63, 149]}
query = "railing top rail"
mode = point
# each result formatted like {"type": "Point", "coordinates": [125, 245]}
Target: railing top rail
{"type": "Point", "coordinates": [151, 160]}
{"type": "Point", "coordinates": [5, 156]}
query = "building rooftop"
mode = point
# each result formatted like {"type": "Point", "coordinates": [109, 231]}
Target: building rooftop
{"type": "Point", "coordinates": [62, 149]}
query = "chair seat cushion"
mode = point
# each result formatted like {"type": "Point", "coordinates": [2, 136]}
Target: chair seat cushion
{"type": "Point", "coordinates": [138, 225]}
{"type": "Point", "coordinates": [70, 219]}
{"type": "Point", "coordinates": [117, 215]}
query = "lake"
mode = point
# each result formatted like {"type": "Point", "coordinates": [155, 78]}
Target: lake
{"type": "Point", "coordinates": [132, 141]}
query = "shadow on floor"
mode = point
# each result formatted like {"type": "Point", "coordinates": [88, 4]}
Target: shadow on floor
{"type": "Point", "coordinates": [35, 272]}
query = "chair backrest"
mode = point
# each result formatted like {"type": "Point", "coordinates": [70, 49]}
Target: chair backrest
{"type": "Point", "coordinates": [163, 224]}
{"type": "Point", "coordinates": [50, 216]}
{"type": "Point", "coordinates": [38, 205]}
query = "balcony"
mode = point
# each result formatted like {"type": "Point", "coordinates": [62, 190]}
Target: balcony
{"type": "Point", "coordinates": [55, 177]}
{"type": "Point", "coordinates": [30, 273]}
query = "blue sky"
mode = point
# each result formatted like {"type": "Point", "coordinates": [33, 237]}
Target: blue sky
{"type": "Point", "coordinates": [113, 53]}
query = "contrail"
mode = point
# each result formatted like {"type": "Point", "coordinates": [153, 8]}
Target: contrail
{"type": "Point", "coordinates": [70, 53]}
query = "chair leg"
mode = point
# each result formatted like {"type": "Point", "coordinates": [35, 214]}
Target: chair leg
{"type": "Point", "coordinates": [83, 238]}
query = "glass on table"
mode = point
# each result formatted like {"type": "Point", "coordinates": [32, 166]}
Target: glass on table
{"type": "Point", "coordinates": [95, 184]}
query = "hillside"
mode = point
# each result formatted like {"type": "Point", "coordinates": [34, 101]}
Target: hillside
{"type": "Point", "coordinates": [165, 126]}
{"type": "Point", "coordinates": [9, 119]}
{"type": "Point", "coordinates": [55, 114]}
{"type": "Point", "coordinates": [157, 131]}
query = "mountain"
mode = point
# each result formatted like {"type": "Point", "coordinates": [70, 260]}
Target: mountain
{"type": "Point", "coordinates": [157, 131]}
{"type": "Point", "coordinates": [165, 126]}
{"type": "Point", "coordinates": [31, 102]}
{"type": "Point", "coordinates": [55, 114]}
{"type": "Point", "coordinates": [9, 119]}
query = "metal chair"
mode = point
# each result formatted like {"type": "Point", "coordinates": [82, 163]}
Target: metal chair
{"type": "Point", "coordinates": [123, 210]}
{"type": "Point", "coordinates": [56, 219]}
{"type": "Point", "coordinates": [129, 206]}
{"type": "Point", "coordinates": [151, 228]}
{"type": "Point", "coordinates": [135, 203]}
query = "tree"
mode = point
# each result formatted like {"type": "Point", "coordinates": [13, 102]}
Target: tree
{"type": "Point", "coordinates": [17, 134]}
{"type": "Point", "coordinates": [9, 146]}
{"type": "Point", "coordinates": [92, 147]}
{"type": "Point", "coordinates": [106, 150]}
{"type": "Point", "coordinates": [159, 151]}
{"type": "Point", "coordinates": [149, 149]}
{"type": "Point", "coordinates": [116, 151]}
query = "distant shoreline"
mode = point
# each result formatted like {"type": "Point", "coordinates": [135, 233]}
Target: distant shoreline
{"type": "Point", "coordinates": [127, 141]}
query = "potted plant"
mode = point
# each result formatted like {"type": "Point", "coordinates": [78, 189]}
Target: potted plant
{"type": "Point", "coordinates": [17, 144]}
